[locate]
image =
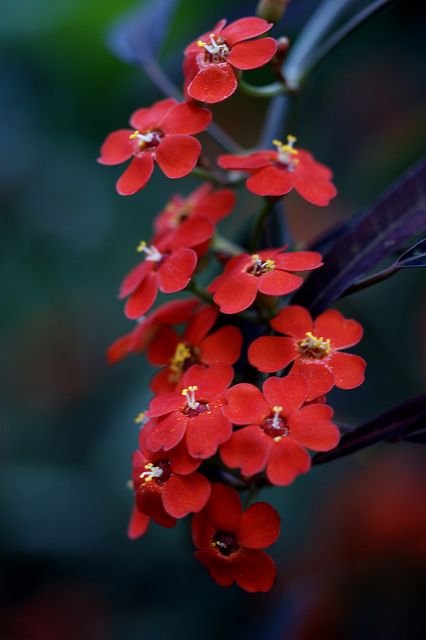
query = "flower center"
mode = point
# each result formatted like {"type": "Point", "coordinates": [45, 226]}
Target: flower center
{"type": "Point", "coordinates": [183, 357]}
{"type": "Point", "coordinates": [151, 252]}
{"type": "Point", "coordinates": [286, 153]}
{"type": "Point", "coordinates": [193, 407]}
{"type": "Point", "coordinates": [276, 426]}
{"type": "Point", "coordinates": [225, 543]}
{"type": "Point", "coordinates": [216, 51]}
{"type": "Point", "coordinates": [146, 140]}
{"type": "Point", "coordinates": [259, 267]}
{"type": "Point", "coordinates": [313, 347]}
{"type": "Point", "coordinates": [160, 472]}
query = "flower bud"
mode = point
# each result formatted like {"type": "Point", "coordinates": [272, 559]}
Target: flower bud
{"type": "Point", "coordinates": [271, 10]}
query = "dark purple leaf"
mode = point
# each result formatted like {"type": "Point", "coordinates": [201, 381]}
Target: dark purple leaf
{"type": "Point", "coordinates": [415, 256]}
{"type": "Point", "coordinates": [405, 421]}
{"type": "Point", "coordinates": [371, 236]}
{"type": "Point", "coordinates": [138, 36]}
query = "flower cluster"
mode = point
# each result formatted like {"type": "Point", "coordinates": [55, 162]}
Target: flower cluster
{"type": "Point", "coordinates": [216, 425]}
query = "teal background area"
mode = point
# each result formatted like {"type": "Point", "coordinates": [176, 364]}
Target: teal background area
{"type": "Point", "coordinates": [350, 558]}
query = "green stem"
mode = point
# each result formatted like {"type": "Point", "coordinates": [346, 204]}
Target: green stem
{"type": "Point", "coordinates": [256, 235]}
{"type": "Point", "coordinates": [251, 495]}
{"type": "Point", "coordinates": [199, 172]}
{"type": "Point", "coordinates": [195, 288]}
{"type": "Point", "coordinates": [226, 246]}
{"type": "Point", "coordinates": [267, 91]}
{"type": "Point", "coordinates": [374, 279]}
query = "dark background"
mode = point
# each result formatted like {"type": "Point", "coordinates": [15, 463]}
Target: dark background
{"type": "Point", "coordinates": [352, 554]}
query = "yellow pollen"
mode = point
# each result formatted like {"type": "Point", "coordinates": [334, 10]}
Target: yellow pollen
{"type": "Point", "coordinates": [190, 389]}
{"type": "Point", "coordinates": [314, 347]}
{"type": "Point", "coordinates": [181, 354]}
{"type": "Point", "coordinates": [268, 265]}
{"type": "Point", "coordinates": [134, 135]}
{"type": "Point", "coordinates": [141, 246]}
{"type": "Point", "coordinates": [277, 409]}
{"type": "Point", "coordinates": [141, 417]}
{"type": "Point", "coordinates": [287, 148]}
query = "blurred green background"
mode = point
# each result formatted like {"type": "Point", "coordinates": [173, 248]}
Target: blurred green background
{"type": "Point", "coordinates": [352, 552]}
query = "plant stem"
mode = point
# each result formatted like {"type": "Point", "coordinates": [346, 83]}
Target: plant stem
{"type": "Point", "coordinates": [222, 244]}
{"type": "Point", "coordinates": [199, 172]}
{"type": "Point", "coordinates": [265, 91]}
{"type": "Point", "coordinates": [374, 279]}
{"type": "Point", "coordinates": [256, 235]}
{"type": "Point", "coordinates": [195, 288]}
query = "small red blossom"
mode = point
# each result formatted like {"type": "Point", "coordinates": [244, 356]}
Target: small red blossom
{"type": "Point", "coordinates": [210, 62]}
{"type": "Point", "coordinates": [195, 413]}
{"type": "Point", "coordinates": [280, 427]}
{"type": "Point", "coordinates": [195, 346]}
{"type": "Point", "coordinates": [167, 271]}
{"type": "Point", "coordinates": [161, 134]}
{"type": "Point", "coordinates": [275, 173]}
{"type": "Point", "coordinates": [167, 485]}
{"type": "Point", "coordinates": [265, 272]}
{"type": "Point", "coordinates": [229, 540]}
{"type": "Point", "coordinates": [314, 347]}
{"type": "Point", "coordinates": [137, 340]}
{"type": "Point", "coordinates": [190, 221]}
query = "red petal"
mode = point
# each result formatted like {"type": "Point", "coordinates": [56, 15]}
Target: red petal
{"type": "Point", "coordinates": [192, 232]}
{"type": "Point", "coordinates": [163, 346]}
{"type": "Point", "coordinates": [211, 381]}
{"type": "Point", "coordinates": [224, 345]}
{"type": "Point", "coordinates": [150, 118]}
{"type": "Point", "coordinates": [313, 187]}
{"type": "Point", "coordinates": [342, 332]}
{"type": "Point", "coordinates": [224, 509]}
{"type": "Point", "coordinates": [185, 494]}
{"type": "Point", "coordinates": [272, 353]}
{"type": "Point", "coordinates": [287, 461]}
{"type": "Point", "coordinates": [270, 181]}
{"type": "Point", "coordinates": [175, 271]}
{"type": "Point", "coordinates": [201, 325]}
{"type": "Point", "coordinates": [311, 427]}
{"type": "Point", "coordinates": [294, 321]}
{"type": "Point", "coordinates": [248, 449]}
{"type": "Point", "coordinates": [168, 432]}
{"type": "Point", "coordinates": [177, 311]}
{"type": "Point", "coordinates": [252, 55]}
{"type": "Point", "coordinates": [136, 175]}
{"type": "Point", "coordinates": [177, 155]}
{"type": "Point", "coordinates": [186, 118]}
{"type": "Point", "coordinates": [213, 83]}
{"type": "Point", "coordinates": [245, 28]}
{"type": "Point", "coordinates": [222, 570]}
{"type": "Point", "coordinates": [289, 392]}
{"type": "Point", "coordinates": [279, 283]}
{"type": "Point", "coordinates": [133, 279]}
{"type": "Point", "coordinates": [165, 403]}
{"type": "Point", "coordinates": [194, 47]}
{"type": "Point", "coordinates": [259, 527]}
{"type": "Point", "coordinates": [236, 293]}
{"type": "Point", "coordinates": [163, 382]}
{"type": "Point", "coordinates": [216, 206]}
{"type": "Point", "coordinates": [299, 260]}
{"type": "Point", "coordinates": [148, 500]}
{"type": "Point", "coordinates": [138, 525]}
{"type": "Point", "coordinates": [117, 148]}
{"type": "Point", "coordinates": [246, 405]}
{"type": "Point", "coordinates": [318, 374]}
{"type": "Point", "coordinates": [255, 571]}
{"type": "Point", "coordinates": [120, 348]}
{"type": "Point", "coordinates": [202, 532]}
{"type": "Point", "coordinates": [255, 160]}
{"type": "Point", "coordinates": [143, 298]}
{"type": "Point", "coordinates": [206, 432]}
{"type": "Point", "coordinates": [180, 460]}
{"type": "Point", "coordinates": [348, 370]}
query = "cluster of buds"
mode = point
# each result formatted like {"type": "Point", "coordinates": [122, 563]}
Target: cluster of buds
{"type": "Point", "coordinates": [217, 427]}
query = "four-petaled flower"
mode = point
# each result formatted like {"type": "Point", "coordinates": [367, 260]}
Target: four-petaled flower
{"type": "Point", "coordinates": [229, 541]}
{"type": "Point", "coordinates": [210, 62]}
{"type": "Point", "coordinates": [275, 173]}
{"type": "Point", "coordinates": [195, 412]}
{"type": "Point", "coordinates": [314, 349]}
{"type": "Point", "coordinates": [167, 485]}
{"type": "Point", "coordinates": [161, 134]}
{"type": "Point", "coordinates": [279, 428]}
{"type": "Point", "coordinates": [265, 272]}
{"type": "Point", "coordinates": [196, 346]}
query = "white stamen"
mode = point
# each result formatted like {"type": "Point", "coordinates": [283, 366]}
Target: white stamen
{"type": "Point", "coordinates": [151, 472]}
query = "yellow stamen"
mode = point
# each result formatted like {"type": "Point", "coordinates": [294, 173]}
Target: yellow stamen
{"type": "Point", "coordinates": [141, 418]}
{"type": "Point", "coordinates": [286, 148]}
{"type": "Point", "coordinates": [314, 347]}
{"type": "Point", "coordinates": [141, 246]}
{"type": "Point", "coordinates": [134, 135]}
{"type": "Point", "coordinates": [181, 354]}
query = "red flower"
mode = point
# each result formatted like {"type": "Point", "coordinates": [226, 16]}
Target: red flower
{"type": "Point", "coordinates": [194, 347]}
{"type": "Point", "coordinates": [194, 413]}
{"type": "Point", "coordinates": [138, 525]}
{"type": "Point", "coordinates": [266, 272]}
{"type": "Point", "coordinates": [210, 61]}
{"type": "Point", "coordinates": [167, 486]}
{"type": "Point", "coordinates": [275, 173]}
{"type": "Point", "coordinates": [314, 348]}
{"type": "Point", "coordinates": [280, 429]}
{"type": "Point", "coordinates": [190, 221]}
{"type": "Point", "coordinates": [161, 134]}
{"type": "Point", "coordinates": [169, 272]}
{"type": "Point", "coordinates": [229, 541]}
{"type": "Point", "coordinates": [137, 340]}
